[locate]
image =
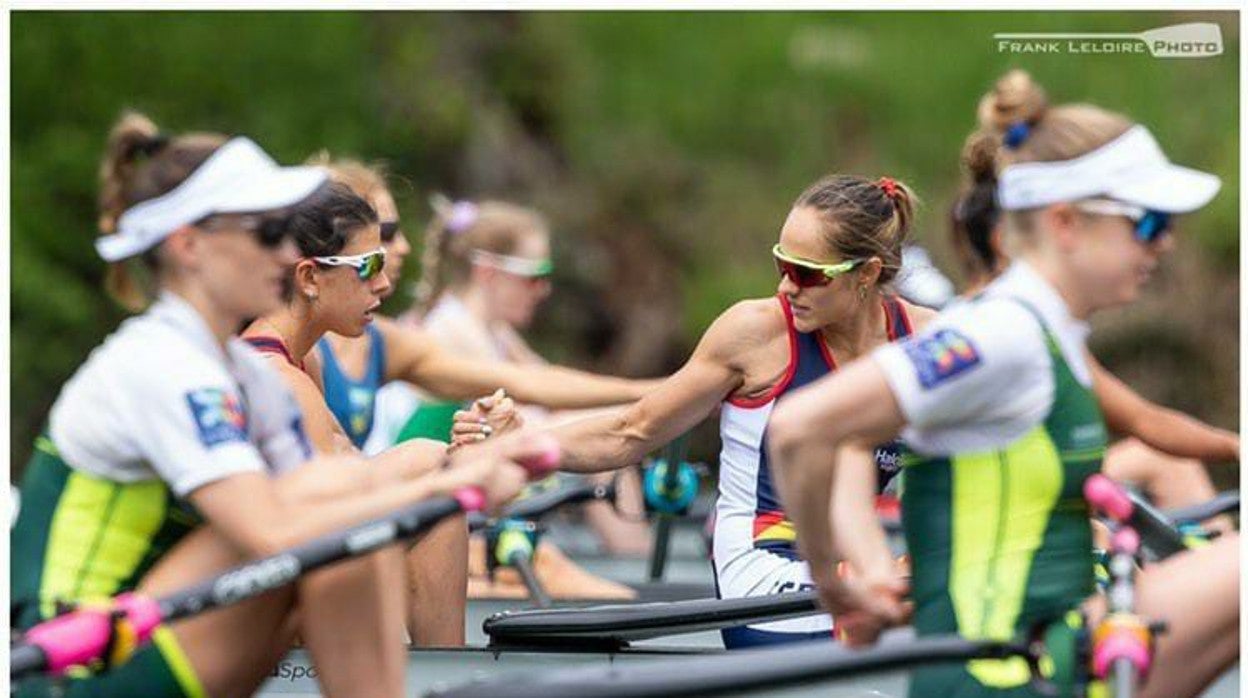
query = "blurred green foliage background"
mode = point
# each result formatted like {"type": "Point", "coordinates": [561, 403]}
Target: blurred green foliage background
{"type": "Point", "coordinates": [665, 147]}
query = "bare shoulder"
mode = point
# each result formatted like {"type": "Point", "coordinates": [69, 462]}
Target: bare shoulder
{"type": "Point", "coordinates": [755, 318]}
{"type": "Point", "coordinates": [744, 329]}
{"type": "Point", "coordinates": [920, 315]}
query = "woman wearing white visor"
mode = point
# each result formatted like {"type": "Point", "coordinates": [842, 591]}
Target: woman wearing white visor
{"type": "Point", "coordinates": [174, 452]}
{"type": "Point", "coordinates": [994, 398]}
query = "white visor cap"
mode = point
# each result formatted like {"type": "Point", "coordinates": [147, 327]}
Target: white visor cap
{"type": "Point", "coordinates": [1130, 168]}
{"type": "Point", "coordinates": [238, 178]}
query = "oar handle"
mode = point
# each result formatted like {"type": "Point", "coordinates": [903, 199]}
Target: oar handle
{"type": "Point", "coordinates": [83, 636]}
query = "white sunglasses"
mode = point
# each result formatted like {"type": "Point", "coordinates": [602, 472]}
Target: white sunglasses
{"type": "Point", "coordinates": [367, 265]}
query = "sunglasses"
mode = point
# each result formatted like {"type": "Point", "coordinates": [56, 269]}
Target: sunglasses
{"type": "Point", "coordinates": [269, 231]}
{"type": "Point", "coordinates": [389, 231]}
{"type": "Point", "coordinates": [806, 273]}
{"type": "Point", "coordinates": [1150, 226]}
{"type": "Point", "coordinates": [532, 269]}
{"type": "Point", "coordinates": [366, 265]}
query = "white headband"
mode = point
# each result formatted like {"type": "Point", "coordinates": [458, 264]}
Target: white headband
{"type": "Point", "coordinates": [1131, 168]}
{"type": "Point", "coordinates": [238, 178]}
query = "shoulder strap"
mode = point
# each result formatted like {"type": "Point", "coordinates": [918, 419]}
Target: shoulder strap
{"type": "Point", "coordinates": [273, 345]}
{"type": "Point", "coordinates": [376, 354]}
{"type": "Point", "coordinates": [1049, 339]}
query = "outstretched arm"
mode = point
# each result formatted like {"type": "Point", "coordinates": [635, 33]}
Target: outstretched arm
{"type": "Point", "coordinates": [712, 373]}
{"type": "Point", "coordinates": [415, 356]}
{"type": "Point", "coordinates": [1166, 430]}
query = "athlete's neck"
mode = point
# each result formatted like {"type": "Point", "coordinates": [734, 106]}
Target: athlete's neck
{"type": "Point", "coordinates": [475, 301]}
{"type": "Point", "coordinates": [1059, 277]}
{"type": "Point", "coordinates": [223, 324]}
{"type": "Point", "coordinates": [857, 333]}
{"type": "Point", "coordinates": [294, 326]}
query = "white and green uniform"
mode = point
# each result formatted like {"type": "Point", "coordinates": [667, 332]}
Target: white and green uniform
{"type": "Point", "coordinates": [1004, 430]}
{"type": "Point", "coordinates": [157, 411]}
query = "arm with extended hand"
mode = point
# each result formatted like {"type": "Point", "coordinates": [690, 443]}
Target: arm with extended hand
{"type": "Point", "coordinates": [1166, 430]}
{"type": "Point", "coordinates": [622, 438]}
{"type": "Point", "coordinates": [416, 357]}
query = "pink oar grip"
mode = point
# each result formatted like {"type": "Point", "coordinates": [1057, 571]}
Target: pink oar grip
{"type": "Point", "coordinates": [143, 614]}
{"type": "Point", "coordinates": [1104, 494]}
{"type": "Point", "coordinates": [546, 460]}
{"type": "Point", "coordinates": [72, 640]}
{"type": "Point", "coordinates": [1120, 645]}
{"type": "Point", "coordinates": [470, 498]}
{"type": "Point", "coordinates": [1125, 540]}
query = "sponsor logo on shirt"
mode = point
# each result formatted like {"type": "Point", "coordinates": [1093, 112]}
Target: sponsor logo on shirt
{"type": "Point", "coordinates": [1088, 435]}
{"type": "Point", "coordinates": [941, 356]}
{"type": "Point", "coordinates": [218, 415]}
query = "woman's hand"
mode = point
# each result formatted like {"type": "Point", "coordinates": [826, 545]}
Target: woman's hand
{"type": "Point", "coordinates": [494, 414]}
{"type": "Point", "coordinates": [495, 467]}
{"type": "Point", "coordinates": [863, 607]}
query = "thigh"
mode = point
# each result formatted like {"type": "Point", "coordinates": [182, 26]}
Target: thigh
{"type": "Point", "coordinates": [1197, 594]}
{"type": "Point", "coordinates": [228, 649]}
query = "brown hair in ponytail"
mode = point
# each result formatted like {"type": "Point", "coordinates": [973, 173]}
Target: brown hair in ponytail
{"type": "Point", "coordinates": [863, 218]}
{"type": "Point", "coordinates": [140, 164]}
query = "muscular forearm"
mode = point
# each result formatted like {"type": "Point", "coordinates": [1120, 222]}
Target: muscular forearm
{"type": "Point", "coordinates": [605, 442]}
{"type": "Point", "coordinates": [1179, 435]}
{"type": "Point", "coordinates": [804, 474]}
{"type": "Point", "coordinates": [565, 389]}
{"type": "Point", "coordinates": [860, 539]}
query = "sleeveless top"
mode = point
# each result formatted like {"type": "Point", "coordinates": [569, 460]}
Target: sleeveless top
{"type": "Point", "coordinates": [350, 400]}
{"type": "Point", "coordinates": [748, 515]}
{"type": "Point", "coordinates": [156, 412]}
{"type": "Point", "coordinates": [1000, 539]}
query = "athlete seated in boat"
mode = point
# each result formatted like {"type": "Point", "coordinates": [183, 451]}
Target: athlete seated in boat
{"type": "Point", "coordinates": [839, 249]}
{"type": "Point", "coordinates": [175, 452]}
{"type": "Point", "coordinates": [354, 375]}
{"type": "Point", "coordinates": [1163, 450]}
{"type": "Point", "coordinates": [995, 400]}
{"type": "Point", "coordinates": [337, 286]}
{"type": "Point", "coordinates": [485, 270]}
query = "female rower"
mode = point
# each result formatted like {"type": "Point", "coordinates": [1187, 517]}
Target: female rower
{"type": "Point", "coordinates": [337, 286]}
{"type": "Point", "coordinates": [839, 249]}
{"type": "Point", "coordinates": [175, 453]}
{"type": "Point", "coordinates": [1164, 448]}
{"type": "Point", "coordinates": [485, 269]}
{"type": "Point", "coordinates": [995, 399]}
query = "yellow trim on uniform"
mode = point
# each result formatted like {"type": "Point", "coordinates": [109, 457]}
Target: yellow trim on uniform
{"type": "Point", "coordinates": [99, 534]}
{"type": "Point", "coordinates": [1001, 503]}
{"type": "Point", "coordinates": [179, 664]}
{"type": "Point", "coordinates": [783, 531]}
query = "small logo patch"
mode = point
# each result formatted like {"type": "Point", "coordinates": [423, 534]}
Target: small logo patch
{"type": "Point", "coordinates": [218, 415]}
{"type": "Point", "coordinates": [943, 355]}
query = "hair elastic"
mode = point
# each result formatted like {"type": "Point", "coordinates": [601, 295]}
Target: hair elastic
{"type": "Point", "coordinates": [889, 185]}
{"type": "Point", "coordinates": [1016, 134]}
{"type": "Point", "coordinates": [462, 217]}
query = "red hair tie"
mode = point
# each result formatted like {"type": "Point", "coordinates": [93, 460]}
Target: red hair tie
{"type": "Point", "coordinates": [889, 185]}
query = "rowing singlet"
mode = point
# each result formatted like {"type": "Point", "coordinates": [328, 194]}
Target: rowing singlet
{"type": "Point", "coordinates": [350, 400]}
{"type": "Point", "coordinates": [158, 411]}
{"type": "Point", "coordinates": [754, 547]}
{"type": "Point", "coordinates": [1003, 429]}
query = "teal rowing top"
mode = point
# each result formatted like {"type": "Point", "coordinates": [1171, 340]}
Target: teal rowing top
{"type": "Point", "coordinates": [350, 400]}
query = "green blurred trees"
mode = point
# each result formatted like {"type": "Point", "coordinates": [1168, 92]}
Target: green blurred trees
{"type": "Point", "coordinates": [665, 147]}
